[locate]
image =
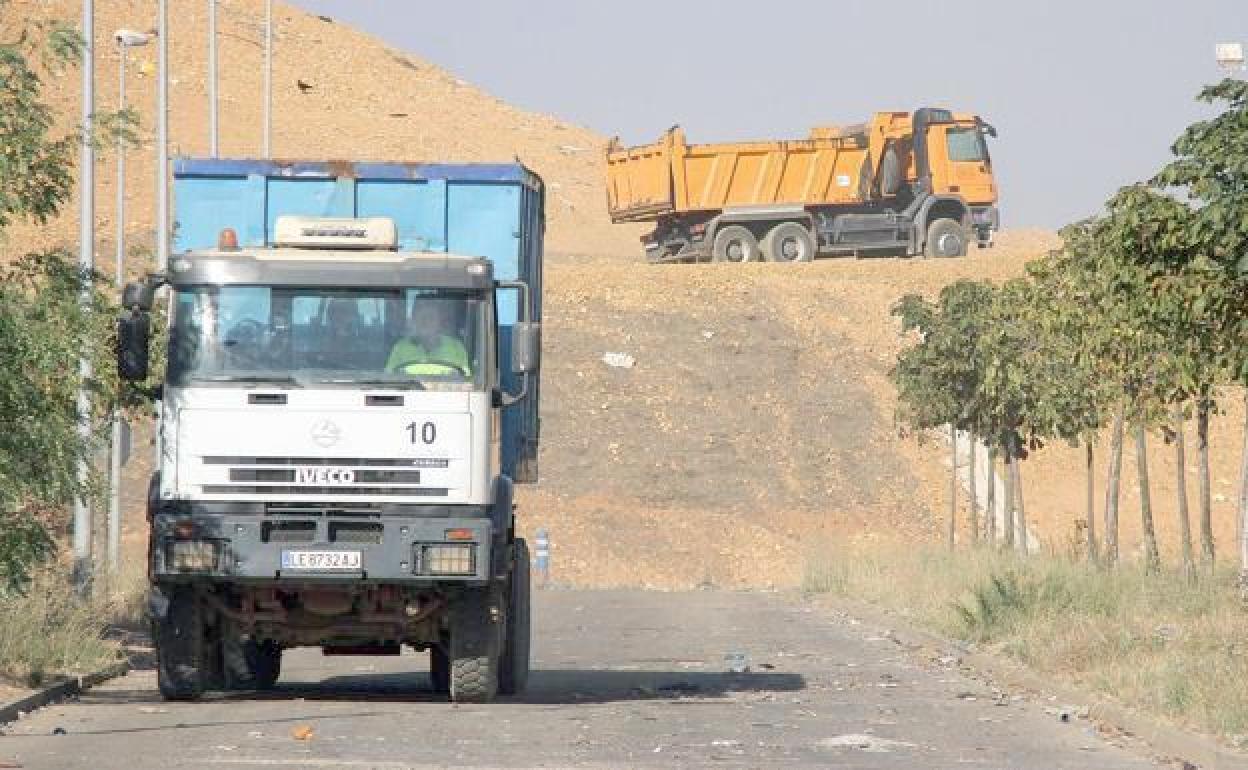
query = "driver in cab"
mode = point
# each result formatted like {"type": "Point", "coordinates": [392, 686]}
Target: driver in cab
{"type": "Point", "coordinates": [429, 345]}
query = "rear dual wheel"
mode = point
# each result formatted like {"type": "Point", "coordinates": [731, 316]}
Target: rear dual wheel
{"type": "Point", "coordinates": [735, 244]}
{"type": "Point", "coordinates": [249, 664]}
{"type": "Point", "coordinates": [514, 669]}
{"type": "Point", "coordinates": [789, 242]}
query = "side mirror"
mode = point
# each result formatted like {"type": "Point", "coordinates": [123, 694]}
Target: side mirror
{"type": "Point", "coordinates": [133, 341]}
{"type": "Point", "coordinates": [137, 294]}
{"type": "Point", "coordinates": [526, 347]}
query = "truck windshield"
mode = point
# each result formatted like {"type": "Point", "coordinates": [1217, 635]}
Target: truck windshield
{"type": "Point", "coordinates": [433, 339]}
{"type": "Point", "coordinates": [966, 145]}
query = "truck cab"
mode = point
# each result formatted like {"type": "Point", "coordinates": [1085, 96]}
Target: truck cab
{"type": "Point", "coordinates": [330, 458]}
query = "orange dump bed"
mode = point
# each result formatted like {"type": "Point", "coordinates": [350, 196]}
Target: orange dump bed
{"type": "Point", "coordinates": [670, 176]}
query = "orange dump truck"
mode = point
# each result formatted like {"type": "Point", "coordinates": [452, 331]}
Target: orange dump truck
{"type": "Point", "coordinates": [916, 183]}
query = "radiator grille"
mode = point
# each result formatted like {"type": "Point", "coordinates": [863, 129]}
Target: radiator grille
{"type": "Point", "coordinates": [355, 532]}
{"type": "Point", "coordinates": [288, 531]}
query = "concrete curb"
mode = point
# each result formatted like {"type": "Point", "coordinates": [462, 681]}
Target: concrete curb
{"type": "Point", "coordinates": [1169, 742]}
{"type": "Point", "coordinates": [11, 712]}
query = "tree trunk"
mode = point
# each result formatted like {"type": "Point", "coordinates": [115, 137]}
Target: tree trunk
{"type": "Point", "coordinates": [1206, 497]}
{"type": "Point", "coordinates": [1007, 521]}
{"type": "Point", "coordinates": [1091, 506]}
{"type": "Point", "coordinates": [973, 522]}
{"type": "Point", "coordinates": [1242, 517]}
{"type": "Point", "coordinates": [1020, 515]}
{"type": "Point", "coordinates": [1111, 491]}
{"type": "Point", "coordinates": [1185, 522]}
{"type": "Point", "coordinates": [953, 486]}
{"type": "Point", "coordinates": [990, 509]}
{"type": "Point", "coordinates": [1152, 560]}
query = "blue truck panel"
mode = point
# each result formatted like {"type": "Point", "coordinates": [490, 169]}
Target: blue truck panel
{"type": "Point", "coordinates": [494, 211]}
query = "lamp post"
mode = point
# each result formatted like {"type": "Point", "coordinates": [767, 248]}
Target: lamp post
{"type": "Point", "coordinates": [126, 39]}
{"type": "Point", "coordinates": [86, 263]}
{"type": "Point", "coordinates": [212, 78]}
{"type": "Point", "coordinates": [162, 138]}
{"type": "Point", "coordinates": [268, 79]}
{"type": "Point", "coordinates": [1230, 57]}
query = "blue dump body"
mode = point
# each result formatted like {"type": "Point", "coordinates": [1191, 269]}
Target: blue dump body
{"type": "Point", "coordinates": [484, 210]}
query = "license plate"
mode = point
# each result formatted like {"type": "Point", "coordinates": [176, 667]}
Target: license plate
{"type": "Point", "coordinates": [321, 560]}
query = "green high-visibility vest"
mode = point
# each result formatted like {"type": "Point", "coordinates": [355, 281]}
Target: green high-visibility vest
{"type": "Point", "coordinates": [411, 355]}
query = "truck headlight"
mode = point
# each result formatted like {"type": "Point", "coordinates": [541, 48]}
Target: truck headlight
{"type": "Point", "coordinates": [192, 555]}
{"type": "Point", "coordinates": [448, 559]}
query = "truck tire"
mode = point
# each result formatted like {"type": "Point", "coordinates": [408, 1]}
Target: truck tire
{"type": "Point", "coordinates": [946, 238]}
{"type": "Point", "coordinates": [265, 660]}
{"type": "Point", "coordinates": [734, 244]}
{"type": "Point", "coordinates": [439, 669]}
{"type": "Point", "coordinates": [476, 641]}
{"type": "Point", "coordinates": [789, 242]}
{"type": "Point", "coordinates": [250, 665]}
{"type": "Point", "coordinates": [181, 652]}
{"type": "Point", "coordinates": [513, 673]}
{"type": "Point", "coordinates": [890, 173]}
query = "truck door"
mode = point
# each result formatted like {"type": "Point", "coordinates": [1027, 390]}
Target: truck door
{"type": "Point", "coordinates": [960, 162]}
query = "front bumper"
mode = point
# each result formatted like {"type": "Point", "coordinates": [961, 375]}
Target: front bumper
{"type": "Point", "coordinates": [249, 548]}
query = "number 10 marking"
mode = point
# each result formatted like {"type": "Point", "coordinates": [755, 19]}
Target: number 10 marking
{"type": "Point", "coordinates": [426, 433]}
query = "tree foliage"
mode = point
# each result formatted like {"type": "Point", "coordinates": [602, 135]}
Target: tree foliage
{"type": "Point", "coordinates": [51, 313]}
{"type": "Point", "coordinates": [1142, 311]}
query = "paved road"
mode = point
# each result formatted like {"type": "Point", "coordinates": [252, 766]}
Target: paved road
{"type": "Point", "coordinates": [623, 679]}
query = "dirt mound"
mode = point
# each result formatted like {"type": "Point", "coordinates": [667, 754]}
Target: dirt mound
{"type": "Point", "coordinates": [756, 421]}
{"type": "Point", "coordinates": [359, 99]}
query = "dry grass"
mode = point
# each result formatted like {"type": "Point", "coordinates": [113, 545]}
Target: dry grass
{"type": "Point", "coordinates": [49, 633]}
{"type": "Point", "coordinates": [1157, 642]}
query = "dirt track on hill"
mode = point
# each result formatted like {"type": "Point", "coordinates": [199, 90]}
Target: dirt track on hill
{"type": "Point", "coordinates": [716, 459]}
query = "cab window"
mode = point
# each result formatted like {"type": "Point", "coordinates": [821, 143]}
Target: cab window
{"type": "Point", "coordinates": [966, 145]}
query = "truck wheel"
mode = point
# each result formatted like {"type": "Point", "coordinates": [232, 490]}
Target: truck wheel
{"type": "Point", "coordinates": [789, 242]}
{"type": "Point", "coordinates": [439, 669]}
{"type": "Point", "coordinates": [890, 173]}
{"type": "Point", "coordinates": [181, 652]}
{"type": "Point", "coordinates": [734, 244]}
{"type": "Point", "coordinates": [476, 639]}
{"type": "Point", "coordinates": [265, 661]}
{"type": "Point", "coordinates": [251, 665]}
{"type": "Point", "coordinates": [946, 238]}
{"type": "Point", "coordinates": [514, 668]}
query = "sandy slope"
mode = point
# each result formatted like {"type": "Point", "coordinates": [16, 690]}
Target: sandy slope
{"type": "Point", "coordinates": [757, 423]}
{"type": "Point", "coordinates": [366, 101]}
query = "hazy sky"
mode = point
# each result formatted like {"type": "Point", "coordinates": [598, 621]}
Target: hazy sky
{"type": "Point", "coordinates": [1087, 95]}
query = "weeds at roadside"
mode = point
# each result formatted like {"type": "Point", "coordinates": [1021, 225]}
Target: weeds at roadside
{"type": "Point", "coordinates": [1159, 642]}
{"type": "Point", "coordinates": [47, 633]}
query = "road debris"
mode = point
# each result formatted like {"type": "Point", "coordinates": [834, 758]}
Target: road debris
{"type": "Point", "coordinates": [302, 732]}
{"type": "Point", "coordinates": [619, 360]}
{"type": "Point", "coordinates": [862, 742]}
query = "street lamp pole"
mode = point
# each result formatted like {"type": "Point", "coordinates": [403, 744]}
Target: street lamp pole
{"type": "Point", "coordinates": [268, 79]}
{"type": "Point", "coordinates": [212, 77]}
{"type": "Point", "coordinates": [162, 138]}
{"type": "Point", "coordinates": [125, 40]}
{"type": "Point", "coordinates": [86, 263]}
{"type": "Point", "coordinates": [1230, 57]}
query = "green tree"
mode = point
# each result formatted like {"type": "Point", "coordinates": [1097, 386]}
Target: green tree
{"type": "Point", "coordinates": [1211, 170]}
{"type": "Point", "coordinates": [938, 378]}
{"type": "Point", "coordinates": [44, 323]}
